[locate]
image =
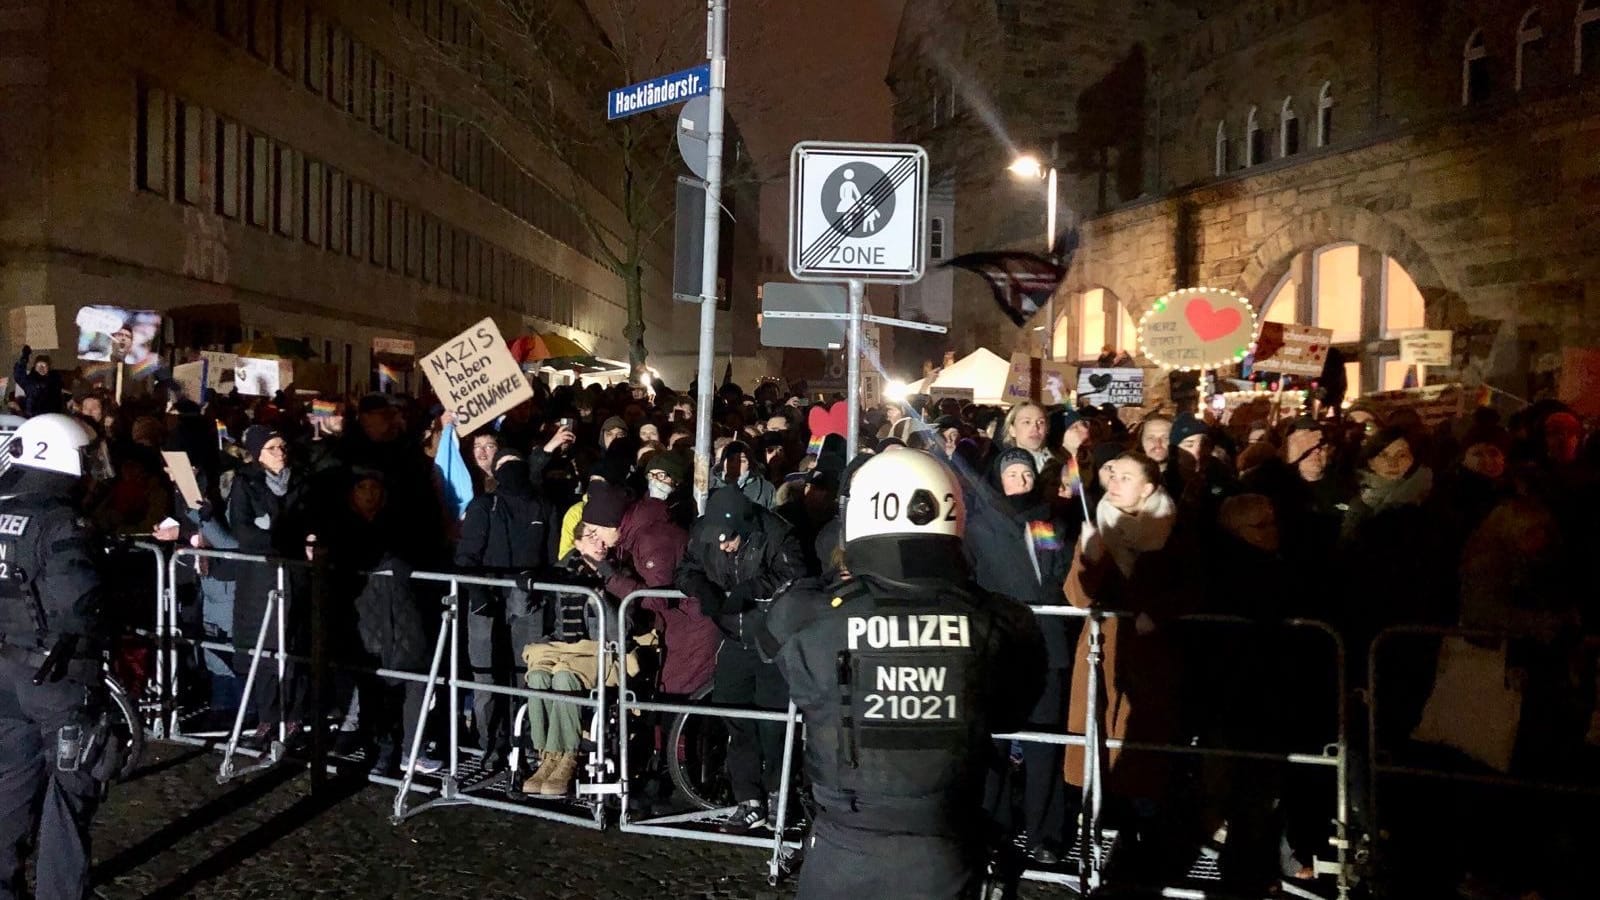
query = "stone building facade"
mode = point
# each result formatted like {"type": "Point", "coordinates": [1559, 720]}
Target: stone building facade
{"type": "Point", "coordinates": [303, 168]}
{"type": "Point", "coordinates": [1366, 167]}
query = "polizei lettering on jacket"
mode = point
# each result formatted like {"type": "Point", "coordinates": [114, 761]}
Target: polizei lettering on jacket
{"type": "Point", "coordinates": [909, 631]}
{"type": "Point", "coordinates": [13, 526]}
{"type": "Point", "coordinates": [483, 400]}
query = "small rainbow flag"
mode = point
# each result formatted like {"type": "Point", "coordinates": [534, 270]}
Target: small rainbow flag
{"type": "Point", "coordinates": [388, 377]}
{"type": "Point", "coordinates": [815, 446]}
{"type": "Point", "coordinates": [1044, 535]}
{"type": "Point", "coordinates": [1071, 475]}
{"type": "Point", "coordinates": [323, 409]}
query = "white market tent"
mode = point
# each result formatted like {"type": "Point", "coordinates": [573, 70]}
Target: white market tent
{"type": "Point", "coordinates": [983, 371]}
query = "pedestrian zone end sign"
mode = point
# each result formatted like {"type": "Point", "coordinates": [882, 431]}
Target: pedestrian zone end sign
{"type": "Point", "coordinates": [858, 212]}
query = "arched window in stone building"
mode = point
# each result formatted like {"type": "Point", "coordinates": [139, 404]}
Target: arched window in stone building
{"type": "Point", "coordinates": [1103, 322]}
{"type": "Point", "coordinates": [1255, 143]}
{"type": "Point", "coordinates": [1530, 40]}
{"type": "Point", "coordinates": [1475, 83]}
{"type": "Point", "coordinates": [1222, 149]}
{"type": "Point", "coordinates": [1288, 129]}
{"type": "Point", "coordinates": [1325, 114]}
{"type": "Point", "coordinates": [1586, 39]}
{"type": "Point", "coordinates": [1365, 297]}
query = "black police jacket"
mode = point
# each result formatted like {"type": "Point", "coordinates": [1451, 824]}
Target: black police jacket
{"type": "Point", "coordinates": [49, 577]}
{"type": "Point", "coordinates": [901, 688]}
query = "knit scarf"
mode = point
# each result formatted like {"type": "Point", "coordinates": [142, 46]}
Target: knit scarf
{"type": "Point", "coordinates": [1380, 494]}
{"type": "Point", "coordinates": [278, 483]}
{"type": "Point", "coordinates": [1126, 535]}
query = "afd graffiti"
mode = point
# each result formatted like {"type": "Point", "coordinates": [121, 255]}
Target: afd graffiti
{"type": "Point", "coordinates": [205, 251]}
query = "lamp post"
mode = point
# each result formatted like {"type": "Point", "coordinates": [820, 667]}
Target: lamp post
{"type": "Point", "coordinates": [1028, 166]}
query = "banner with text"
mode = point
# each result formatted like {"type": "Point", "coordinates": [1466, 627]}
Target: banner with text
{"type": "Point", "coordinates": [476, 377]}
{"type": "Point", "coordinates": [1299, 350]}
{"type": "Point", "coordinates": [1426, 348]}
{"type": "Point", "coordinates": [1121, 387]}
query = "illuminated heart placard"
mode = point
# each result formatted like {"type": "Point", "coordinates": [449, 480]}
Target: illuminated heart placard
{"type": "Point", "coordinates": [1197, 328]}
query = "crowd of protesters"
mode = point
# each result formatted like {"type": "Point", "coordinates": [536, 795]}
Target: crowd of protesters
{"type": "Point", "coordinates": [1351, 518]}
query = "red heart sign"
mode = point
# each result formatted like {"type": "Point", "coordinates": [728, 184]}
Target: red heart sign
{"type": "Point", "coordinates": [835, 420]}
{"type": "Point", "coordinates": [1210, 323]}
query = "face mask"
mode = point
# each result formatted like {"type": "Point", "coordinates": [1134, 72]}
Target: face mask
{"type": "Point", "coordinates": [658, 490]}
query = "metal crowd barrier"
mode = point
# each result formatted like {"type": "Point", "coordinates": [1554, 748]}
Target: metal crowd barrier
{"type": "Point", "coordinates": [1379, 761]}
{"type": "Point", "coordinates": [1094, 843]}
{"type": "Point", "coordinates": [600, 767]}
{"type": "Point", "coordinates": [677, 826]}
{"type": "Point", "coordinates": [607, 777]}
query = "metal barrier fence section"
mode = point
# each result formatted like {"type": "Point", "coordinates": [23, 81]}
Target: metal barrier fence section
{"type": "Point", "coordinates": [631, 705]}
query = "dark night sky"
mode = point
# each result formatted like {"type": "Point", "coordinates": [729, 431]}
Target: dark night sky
{"type": "Point", "coordinates": [806, 70]}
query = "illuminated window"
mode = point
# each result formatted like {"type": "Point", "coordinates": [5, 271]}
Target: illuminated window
{"type": "Point", "coordinates": [1394, 374]}
{"type": "Point", "coordinates": [1402, 302]}
{"type": "Point", "coordinates": [1103, 322]}
{"type": "Point", "coordinates": [1352, 378]}
{"type": "Point", "coordinates": [1061, 340]}
{"type": "Point", "coordinates": [1281, 304]}
{"type": "Point", "coordinates": [1336, 291]}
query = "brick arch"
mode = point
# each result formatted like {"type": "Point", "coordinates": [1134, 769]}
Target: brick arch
{"type": "Point", "coordinates": [1341, 224]}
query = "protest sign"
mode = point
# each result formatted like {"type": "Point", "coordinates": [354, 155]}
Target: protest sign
{"type": "Point", "coordinates": [1433, 404]}
{"type": "Point", "coordinates": [183, 477]}
{"type": "Point", "coordinates": [262, 377]}
{"type": "Point", "coordinates": [394, 346]}
{"type": "Point", "coordinates": [475, 376]}
{"type": "Point", "coordinates": [112, 334]}
{"type": "Point", "coordinates": [1041, 380]}
{"type": "Point", "coordinates": [1426, 348]}
{"type": "Point", "coordinates": [34, 326]}
{"type": "Point", "coordinates": [963, 394]}
{"type": "Point", "coordinates": [1197, 328]}
{"type": "Point", "coordinates": [191, 377]}
{"type": "Point", "coordinates": [219, 369]}
{"type": "Point", "coordinates": [1292, 349]}
{"type": "Point", "coordinates": [1122, 387]}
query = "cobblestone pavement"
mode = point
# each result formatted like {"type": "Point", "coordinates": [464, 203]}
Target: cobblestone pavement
{"type": "Point", "coordinates": [174, 832]}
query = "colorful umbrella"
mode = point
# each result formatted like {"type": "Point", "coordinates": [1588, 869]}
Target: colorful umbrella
{"type": "Point", "coordinates": [548, 347]}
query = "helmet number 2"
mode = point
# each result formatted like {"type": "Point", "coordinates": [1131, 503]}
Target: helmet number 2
{"type": "Point", "coordinates": [43, 449]}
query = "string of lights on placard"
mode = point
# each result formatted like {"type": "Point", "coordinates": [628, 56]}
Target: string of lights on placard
{"type": "Point", "coordinates": [1233, 307]}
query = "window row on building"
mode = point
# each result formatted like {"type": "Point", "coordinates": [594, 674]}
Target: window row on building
{"type": "Point", "coordinates": [1536, 61]}
{"type": "Point", "coordinates": [197, 157]}
{"type": "Point", "coordinates": [328, 61]}
{"type": "Point", "coordinates": [1261, 145]}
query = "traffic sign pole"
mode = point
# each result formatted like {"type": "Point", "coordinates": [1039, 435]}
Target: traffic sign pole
{"type": "Point", "coordinates": [853, 353]}
{"type": "Point", "coordinates": [717, 49]}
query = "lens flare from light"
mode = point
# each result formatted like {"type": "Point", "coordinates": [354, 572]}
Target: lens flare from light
{"type": "Point", "coordinates": [896, 390]}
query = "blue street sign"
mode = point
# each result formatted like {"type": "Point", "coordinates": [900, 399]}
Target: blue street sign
{"type": "Point", "coordinates": [664, 90]}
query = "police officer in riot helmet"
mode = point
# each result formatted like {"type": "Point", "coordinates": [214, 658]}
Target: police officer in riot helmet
{"type": "Point", "coordinates": [55, 755]}
{"type": "Point", "coordinates": [903, 668]}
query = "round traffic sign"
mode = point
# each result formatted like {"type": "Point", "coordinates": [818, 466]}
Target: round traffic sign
{"type": "Point", "coordinates": [857, 200]}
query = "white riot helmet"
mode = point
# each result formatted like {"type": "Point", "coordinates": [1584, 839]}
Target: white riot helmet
{"type": "Point", "coordinates": [52, 443]}
{"type": "Point", "coordinates": [904, 494]}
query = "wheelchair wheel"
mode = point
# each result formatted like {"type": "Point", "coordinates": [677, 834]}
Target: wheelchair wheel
{"type": "Point", "coordinates": [127, 728]}
{"type": "Point", "coordinates": [697, 759]}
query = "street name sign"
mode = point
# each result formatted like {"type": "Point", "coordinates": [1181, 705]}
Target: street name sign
{"type": "Point", "coordinates": [858, 212]}
{"type": "Point", "coordinates": [663, 90]}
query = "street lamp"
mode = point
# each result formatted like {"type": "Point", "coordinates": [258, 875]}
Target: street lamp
{"type": "Point", "coordinates": [1027, 166]}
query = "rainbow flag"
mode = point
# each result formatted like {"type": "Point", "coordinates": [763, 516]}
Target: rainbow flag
{"type": "Point", "coordinates": [388, 377]}
{"type": "Point", "coordinates": [1070, 474]}
{"type": "Point", "coordinates": [323, 409]}
{"type": "Point", "coordinates": [1044, 535]}
{"type": "Point", "coordinates": [815, 446]}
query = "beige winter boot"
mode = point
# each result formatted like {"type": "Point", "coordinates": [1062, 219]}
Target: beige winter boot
{"type": "Point", "coordinates": [547, 764]}
{"type": "Point", "coordinates": [559, 781]}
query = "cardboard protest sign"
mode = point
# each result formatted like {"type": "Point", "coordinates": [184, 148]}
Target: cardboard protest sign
{"type": "Point", "coordinates": [475, 376]}
{"type": "Point", "coordinates": [262, 377]}
{"type": "Point", "coordinates": [965, 395]}
{"type": "Point", "coordinates": [1041, 380]}
{"type": "Point", "coordinates": [34, 326]}
{"type": "Point", "coordinates": [1292, 349]}
{"type": "Point", "coordinates": [183, 477]}
{"type": "Point", "coordinates": [219, 370]}
{"type": "Point", "coordinates": [112, 334]}
{"type": "Point", "coordinates": [1434, 404]}
{"type": "Point", "coordinates": [1123, 387]}
{"type": "Point", "coordinates": [1247, 408]}
{"type": "Point", "coordinates": [1197, 328]}
{"type": "Point", "coordinates": [191, 377]}
{"type": "Point", "coordinates": [1426, 348]}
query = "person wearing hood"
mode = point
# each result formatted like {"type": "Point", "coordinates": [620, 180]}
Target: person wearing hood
{"type": "Point", "coordinates": [1022, 550]}
{"type": "Point", "coordinates": [1137, 561]}
{"type": "Point", "coordinates": [1479, 480]}
{"type": "Point", "coordinates": [666, 478]}
{"type": "Point", "coordinates": [504, 531]}
{"type": "Point", "coordinates": [737, 468]}
{"type": "Point", "coordinates": [1193, 476]}
{"type": "Point", "coordinates": [739, 554]}
{"type": "Point", "coordinates": [815, 506]}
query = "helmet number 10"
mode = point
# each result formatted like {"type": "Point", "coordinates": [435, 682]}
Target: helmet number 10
{"type": "Point", "coordinates": [887, 506]}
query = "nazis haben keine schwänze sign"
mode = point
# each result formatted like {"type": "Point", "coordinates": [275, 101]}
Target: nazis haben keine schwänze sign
{"type": "Point", "coordinates": [663, 90]}
{"type": "Point", "coordinates": [476, 377]}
